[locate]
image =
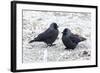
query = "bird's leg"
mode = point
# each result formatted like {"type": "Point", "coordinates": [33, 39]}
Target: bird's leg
{"type": "Point", "coordinates": [46, 46]}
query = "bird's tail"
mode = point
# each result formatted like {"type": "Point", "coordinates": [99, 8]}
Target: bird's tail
{"type": "Point", "coordinates": [31, 41]}
{"type": "Point", "coordinates": [82, 38]}
{"type": "Point", "coordinates": [34, 40]}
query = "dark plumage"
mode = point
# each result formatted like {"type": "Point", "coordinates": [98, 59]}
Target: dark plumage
{"type": "Point", "coordinates": [71, 40]}
{"type": "Point", "coordinates": [48, 36]}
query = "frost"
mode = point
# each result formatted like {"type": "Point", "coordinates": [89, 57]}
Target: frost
{"type": "Point", "coordinates": [35, 22]}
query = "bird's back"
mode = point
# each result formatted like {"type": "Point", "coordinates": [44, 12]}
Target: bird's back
{"type": "Point", "coordinates": [76, 38]}
{"type": "Point", "coordinates": [48, 36]}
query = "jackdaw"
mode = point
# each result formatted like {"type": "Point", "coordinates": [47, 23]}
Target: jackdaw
{"type": "Point", "coordinates": [48, 36]}
{"type": "Point", "coordinates": [71, 40]}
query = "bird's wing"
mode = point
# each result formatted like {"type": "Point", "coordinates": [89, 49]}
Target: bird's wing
{"type": "Point", "coordinates": [46, 34]}
{"type": "Point", "coordinates": [68, 42]}
{"type": "Point", "coordinates": [75, 38]}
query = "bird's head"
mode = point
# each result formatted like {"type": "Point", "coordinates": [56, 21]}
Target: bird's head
{"type": "Point", "coordinates": [66, 31]}
{"type": "Point", "coordinates": [54, 25]}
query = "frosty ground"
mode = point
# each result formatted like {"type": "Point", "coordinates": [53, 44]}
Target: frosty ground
{"type": "Point", "coordinates": [35, 22]}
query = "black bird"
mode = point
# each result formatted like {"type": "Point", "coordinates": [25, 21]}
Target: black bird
{"type": "Point", "coordinates": [48, 36]}
{"type": "Point", "coordinates": [71, 40]}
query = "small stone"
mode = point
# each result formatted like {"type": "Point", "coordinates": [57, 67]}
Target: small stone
{"type": "Point", "coordinates": [85, 52]}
